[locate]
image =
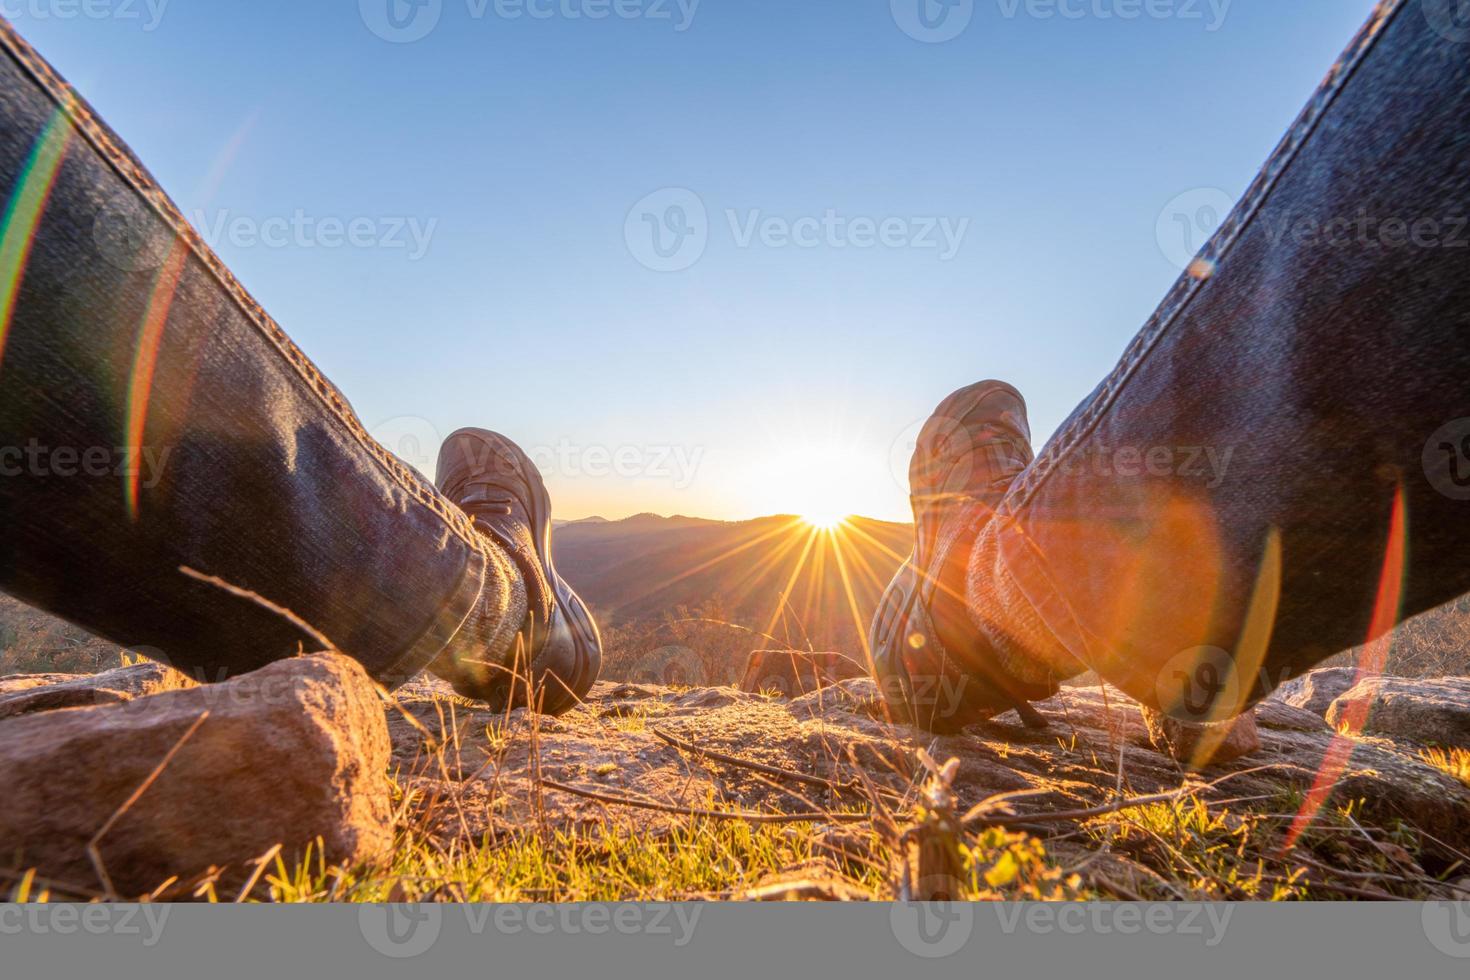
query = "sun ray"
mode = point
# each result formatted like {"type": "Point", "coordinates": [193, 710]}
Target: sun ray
{"type": "Point", "coordinates": [938, 583]}
{"type": "Point", "coordinates": [857, 619]}
{"type": "Point", "coordinates": [726, 555]}
{"type": "Point", "coordinates": [811, 540]}
{"type": "Point", "coordinates": [813, 580]}
{"type": "Point", "coordinates": [868, 576]}
{"type": "Point", "coordinates": [766, 566]}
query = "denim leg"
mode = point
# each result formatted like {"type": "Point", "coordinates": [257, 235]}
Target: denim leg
{"type": "Point", "coordinates": [1279, 468]}
{"type": "Point", "coordinates": [153, 418]}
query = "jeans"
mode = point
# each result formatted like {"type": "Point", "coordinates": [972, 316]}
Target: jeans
{"type": "Point", "coordinates": [153, 419]}
{"type": "Point", "coordinates": [1279, 468]}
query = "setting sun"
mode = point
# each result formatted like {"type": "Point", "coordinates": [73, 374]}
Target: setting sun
{"type": "Point", "coordinates": [825, 520]}
{"type": "Point", "coordinates": [821, 478]}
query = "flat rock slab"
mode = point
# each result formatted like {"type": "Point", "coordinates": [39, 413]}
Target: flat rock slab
{"type": "Point", "coordinates": [292, 752]}
{"type": "Point", "coordinates": [1435, 711]}
{"type": "Point", "coordinates": [483, 781]}
{"type": "Point", "coordinates": [22, 694]}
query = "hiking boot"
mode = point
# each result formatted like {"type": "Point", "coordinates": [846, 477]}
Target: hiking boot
{"type": "Point", "coordinates": [501, 490]}
{"type": "Point", "coordinates": [933, 666]}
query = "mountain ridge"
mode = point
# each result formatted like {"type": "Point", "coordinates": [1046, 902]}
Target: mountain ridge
{"type": "Point", "coordinates": [759, 573]}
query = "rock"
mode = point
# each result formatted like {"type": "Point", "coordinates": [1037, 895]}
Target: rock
{"type": "Point", "coordinates": [1315, 691]}
{"type": "Point", "coordinates": [630, 692]}
{"type": "Point", "coordinates": [1278, 714]}
{"type": "Point", "coordinates": [11, 683]}
{"type": "Point", "coordinates": [1182, 739]}
{"type": "Point", "coordinates": [77, 691]}
{"type": "Point", "coordinates": [856, 694]}
{"type": "Point", "coordinates": [708, 697]}
{"type": "Point", "coordinates": [1436, 711]}
{"type": "Point", "coordinates": [817, 880]}
{"type": "Point", "coordinates": [294, 751]}
{"type": "Point", "coordinates": [793, 673]}
{"type": "Point", "coordinates": [841, 731]}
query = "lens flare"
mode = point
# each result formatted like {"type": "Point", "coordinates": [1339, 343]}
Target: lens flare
{"type": "Point", "coordinates": [23, 214]}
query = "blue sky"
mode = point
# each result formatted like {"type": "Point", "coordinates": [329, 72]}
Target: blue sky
{"type": "Point", "coordinates": [489, 172]}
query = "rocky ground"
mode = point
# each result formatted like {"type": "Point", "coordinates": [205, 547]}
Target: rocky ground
{"type": "Point", "coordinates": [115, 784]}
{"type": "Point", "coordinates": [626, 742]}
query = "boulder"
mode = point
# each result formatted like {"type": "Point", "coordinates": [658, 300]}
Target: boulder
{"type": "Point", "coordinates": [1435, 710]}
{"type": "Point", "coordinates": [1183, 739]}
{"type": "Point", "coordinates": [1315, 691]}
{"type": "Point", "coordinates": [290, 753]}
{"type": "Point", "coordinates": [792, 673]}
{"type": "Point", "coordinates": [1288, 717]}
{"type": "Point", "coordinates": [22, 694]}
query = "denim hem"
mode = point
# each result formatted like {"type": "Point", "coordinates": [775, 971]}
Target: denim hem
{"type": "Point", "coordinates": [445, 625]}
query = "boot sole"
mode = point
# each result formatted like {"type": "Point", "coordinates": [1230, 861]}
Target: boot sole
{"type": "Point", "coordinates": [572, 630]}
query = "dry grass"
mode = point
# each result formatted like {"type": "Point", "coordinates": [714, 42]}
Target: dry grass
{"type": "Point", "coordinates": [1453, 762]}
{"type": "Point", "coordinates": [1199, 847]}
{"type": "Point", "coordinates": [1202, 846]}
{"type": "Point", "coordinates": [1187, 850]}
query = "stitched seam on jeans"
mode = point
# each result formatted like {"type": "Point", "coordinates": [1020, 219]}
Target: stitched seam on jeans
{"type": "Point", "coordinates": [141, 183]}
{"type": "Point", "coordinates": [1188, 286]}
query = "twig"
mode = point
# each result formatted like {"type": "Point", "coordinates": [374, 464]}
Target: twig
{"type": "Point", "coordinates": [973, 819]}
{"type": "Point", "coordinates": [882, 815]}
{"type": "Point", "coordinates": [260, 864]}
{"type": "Point", "coordinates": [742, 815]}
{"type": "Point", "coordinates": [1063, 816]}
{"type": "Point", "coordinates": [817, 781]}
{"type": "Point", "coordinates": [390, 699]}
{"type": "Point", "coordinates": [263, 602]}
{"type": "Point", "coordinates": [1001, 801]}
{"type": "Point", "coordinates": [1376, 895]}
{"type": "Point", "coordinates": [92, 851]}
{"type": "Point", "coordinates": [1369, 876]}
{"type": "Point", "coordinates": [55, 884]}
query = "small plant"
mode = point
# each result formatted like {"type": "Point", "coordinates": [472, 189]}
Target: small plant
{"type": "Point", "coordinates": [1211, 854]}
{"type": "Point", "coordinates": [635, 718]}
{"type": "Point", "coordinates": [1016, 867]}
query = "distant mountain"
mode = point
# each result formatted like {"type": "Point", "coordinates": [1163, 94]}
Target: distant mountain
{"type": "Point", "coordinates": [774, 574]}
